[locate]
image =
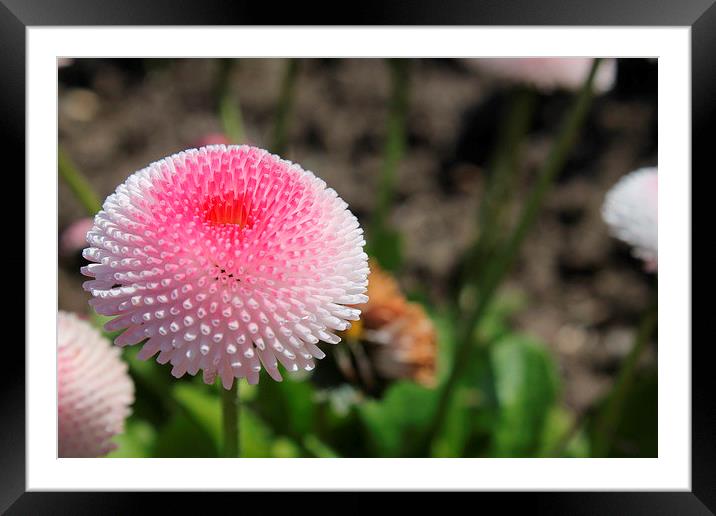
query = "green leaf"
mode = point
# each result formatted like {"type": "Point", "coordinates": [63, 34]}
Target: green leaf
{"type": "Point", "coordinates": [289, 405]}
{"type": "Point", "coordinates": [255, 437]}
{"type": "Point", "coordinates": [195, 428]}
{"type": "Point", "coordinates": [203, 407]}
{"type": "Point", "coordinates": [136, 441]}
{"type": "Point", "coordinates": [457, 425]}
{"type": "Point", "coordinates": [285, 448]}
{"type": "Point", "coordinates": [386, 245]}
{"type": "Point", "coordinates": [559, 438]}
{"type": "Point", "coordinates": [526, 386]}
{"type": "Point", "coordinates": [556, 428]}
{"type": "Point", "coordinates": [155, 377]}
{"type": "Point", "coordinates": [495, 324]}
{"type": "Point", "coordinates": [469, 420]}
{"type": "Point", "coordinates": [471, 417]}
{"type": "Point", "coordinates": [183, 437]}
{"type": "Point", "coordinates": [445, 324]}
{"type": "Point", "coordinates": [318, 448]}
{"type": "Point", "coordinates": [636, 433]}
{"type": "Point", "coordinates": [395, 424]}
{"type": "Point", "coordinates": [337, 423]}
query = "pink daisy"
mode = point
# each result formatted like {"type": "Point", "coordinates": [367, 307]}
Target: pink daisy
{"type": "Point", "coordinates": [212, 139]}
{"type": "Point", "coordinates": [227, 258]}
{"type": "Point", "coordinates": [631, 212]}
{"type": "Point", "coordinates": [74, 238]}
{"type": "Point", "coordinates": [549, 74]}
{"type": "Point", "coordinates": [94, 391]}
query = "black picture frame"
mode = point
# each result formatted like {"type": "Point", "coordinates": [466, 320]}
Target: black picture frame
{"type": "Point", "coordinates": [17, 15]}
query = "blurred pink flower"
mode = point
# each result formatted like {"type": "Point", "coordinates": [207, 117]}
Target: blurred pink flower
{"type": "Point", "coordinates": [94, 391]}
{"type": "Point", "coordinates": [74, 238]}
{"type": "Point", "coordinates": [631, 211]}
{"type": "Point", "coordinates": [549, 74]}
{"type": "Point", "coordinates": [212, 139]}
{"type": "Point", "coordinates": [227, 258]}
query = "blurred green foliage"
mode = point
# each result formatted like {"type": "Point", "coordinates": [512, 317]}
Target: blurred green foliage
{"type": "Point", "coordinates": [507, 405]}
{"type": "Point", "coordinates": [636, 433]}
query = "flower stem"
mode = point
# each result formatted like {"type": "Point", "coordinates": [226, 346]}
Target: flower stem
{"type": "Point", "coordinates": [610, 415]}
{"type": "Point", "coordinates": [77, 183]}
{"type": "Point", "coordinates": [230, 420]}
{"type": "Point", "coordinates": [285, 103]}
{"type": "Point", "coordinates": [499, 266]}
{"type": "Point", "coordinates": [502, 179]}
{"type": "Point", "coordinates": [395, 140]}
{"type": "Point", "coordinates": [229, 106]}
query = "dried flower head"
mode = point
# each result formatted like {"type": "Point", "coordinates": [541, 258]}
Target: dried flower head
{"type": "Point", "coordinates": [226, 258]}
{"type": "Point", "coordinates": [94, 391]}
{"type": "Point", "coordinates": [631, 211]}
{"type": "Point", "coordinates": [549, 74]}
{"type": "Point", "coordinates": [400, 338]}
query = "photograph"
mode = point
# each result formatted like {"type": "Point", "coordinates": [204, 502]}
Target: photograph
{"type": "Point", "coordinates": [398, 248]}
{"type": "Point", "coordinates": [354, 257]}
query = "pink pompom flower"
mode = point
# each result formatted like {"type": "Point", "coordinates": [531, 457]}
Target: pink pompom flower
{"type": "Point", "coordinates": [74, 237]}
{"type": "Point", "coordinates": [212, 139]}
{"type": "Point", "coordinates": [94, 391]}
{"type": "Point", "coordinates": [552, 73]}
{"type": "Point", "coordinates": [227, 258]}
{"type": "Point", "coordinates": [631, 212]}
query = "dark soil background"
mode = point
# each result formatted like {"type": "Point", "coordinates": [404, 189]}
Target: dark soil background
{"type": "Point", "coordinates": [584, 293]}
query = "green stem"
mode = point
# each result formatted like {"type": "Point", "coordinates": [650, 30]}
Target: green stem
{"type": "Point", "coordinates": [77, 183]}
{"type": "Point", "coordinates": [309, 444]}
{"type": "Point", "coordinates": [610, 416]}
{"type": "Point", "coordinates": [502, 178]}
{"type": "Point", "coordinates": [566, 438]}
{"type": "Point", "coordinates": [499, 266]}
{"type": "Point", "coordinates": [395, 140]}
{"type": "Point", "coordinates": [229, 105]}
{"type": "Point", "coordinates": [230, 419]}
{"type": "Point", "coordinates": [314, 447]}
{"type": "Point", "coordinates": [285, 103]}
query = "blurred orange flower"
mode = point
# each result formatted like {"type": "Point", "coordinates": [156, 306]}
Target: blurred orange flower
{"type": "Point", "coordinates": [399, 337]}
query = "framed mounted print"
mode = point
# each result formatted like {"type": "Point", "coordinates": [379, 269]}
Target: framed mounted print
{"type": "Point", "coordinates": [416, 250]}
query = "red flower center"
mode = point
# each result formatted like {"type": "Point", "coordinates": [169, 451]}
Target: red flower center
{"type": "Point", "coordinates": [220, 210]}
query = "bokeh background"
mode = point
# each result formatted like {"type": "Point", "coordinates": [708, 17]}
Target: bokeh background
{"type": "Point", "coordinates": [575, 293]}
